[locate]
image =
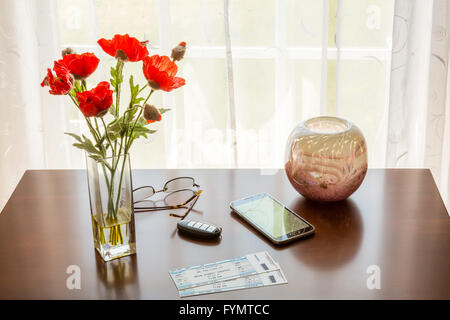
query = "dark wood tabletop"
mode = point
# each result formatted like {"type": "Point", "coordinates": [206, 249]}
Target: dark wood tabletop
{"type": "Point", "coordinates": [395, 220]}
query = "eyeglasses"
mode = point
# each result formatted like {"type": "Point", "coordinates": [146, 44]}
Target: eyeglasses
{"type": "Point", "coordinates": [179, 192]}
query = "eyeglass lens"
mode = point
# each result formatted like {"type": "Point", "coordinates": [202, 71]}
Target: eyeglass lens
{"type": "Point", "coordinates": [143, 193]}
{"type": "Point", "coordinates": [179, 184]}
{"type": "Point", "coordinates": [178, 197]}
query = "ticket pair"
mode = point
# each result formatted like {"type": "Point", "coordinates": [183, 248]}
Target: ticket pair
{"type": "Point", "coordinates": [252, 270]}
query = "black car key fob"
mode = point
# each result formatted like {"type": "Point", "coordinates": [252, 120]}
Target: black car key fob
{"type": "Point", "coordinates": [199, 229]}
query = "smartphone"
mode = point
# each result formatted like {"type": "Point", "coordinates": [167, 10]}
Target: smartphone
{"type": "Point", "coordinates": [277, 222]}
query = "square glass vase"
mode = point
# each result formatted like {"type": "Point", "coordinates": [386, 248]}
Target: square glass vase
{"type": "Point", "coordinates": [111, 201]}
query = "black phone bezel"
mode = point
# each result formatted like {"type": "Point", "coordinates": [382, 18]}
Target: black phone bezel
{"type": "Point", "coordinates": [300, 233]}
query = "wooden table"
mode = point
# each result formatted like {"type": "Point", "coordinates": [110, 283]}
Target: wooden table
{"type": "Point", "coordinates": [396, 220]}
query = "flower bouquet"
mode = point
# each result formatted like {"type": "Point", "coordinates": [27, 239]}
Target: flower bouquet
{"type": "Point", "coordinates": [112, 131]}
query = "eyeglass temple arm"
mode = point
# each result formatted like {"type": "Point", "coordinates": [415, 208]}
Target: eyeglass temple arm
{"type": "Point", "coordinates": [187, 212]}
{"type": "Point", "coordinates": [172, 207]}
{"type": "Point", "coordinates": [140, 209]}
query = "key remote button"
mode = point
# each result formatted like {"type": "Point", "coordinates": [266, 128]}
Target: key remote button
{"type": "Point", "coordinates": [198, 225]}
{"type": "Point", "coordinates": [191, 223]}
{"type": "Point", "coordinates": [199, 229]}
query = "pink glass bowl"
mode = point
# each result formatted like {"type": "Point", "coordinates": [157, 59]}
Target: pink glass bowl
{"type": "Point", "coordinates": [326, 158]}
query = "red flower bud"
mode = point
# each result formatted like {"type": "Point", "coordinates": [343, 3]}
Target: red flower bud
{"type": "Point", "coordinates": [62, 83]}
{"type": "Point", "coordinates": [97, 101]}
{"type": "Point", "coordinates": [179, 51]}
{"type": "Point", "coordinates": [67, 51]}
{"type": "Point", "coordinates": [151, 113]}
{"type": "Point", "coordinates": [80, 65]}
{"type": "Point", "coordinates": [160, 73]}
{"type": "Point", "coordinates": [124, 47]}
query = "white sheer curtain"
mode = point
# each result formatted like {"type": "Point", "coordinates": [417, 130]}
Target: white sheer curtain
{"type": "Point", "coordinates": [254, 69]}
{"type": "Point", "coordinates": [419, 108]}
{"type": "Point", "coordinates": [32, 123]}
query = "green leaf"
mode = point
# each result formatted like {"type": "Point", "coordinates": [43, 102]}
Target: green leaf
{"type": "Point", "coordinates": [112, 110]}
{"type": "Point", "coordinates": [113, 122]}
{"type": "Point", "coordinates": [113, 72]}
{"type": "Point", "coordinates": [87, 145]}
{"type": "Point", "coordinates": [114, 126]}
{"type": "Point", "coordinates": [141, 131]}
{"type": "Point", "coordinates": [134, 90]}
{"type": "Point", "coordinates": [131, 113]}
{"type": "Point", "coordinates": [132, 87]}
{"type": "Point", "coordinates": [138, 100]}
{"type": "Point", "coordinates": [116, 129]}
{"type": "Point", "coordinates": [100, 159]}
{"type": "Point", "coordinates": [163, 110]}
{"type": "Point", "coordinates": [89, 149]}
{"type": "Point", "coordinates": [116, 78]}
{"type": "Point", "coordinates": [77, 137]}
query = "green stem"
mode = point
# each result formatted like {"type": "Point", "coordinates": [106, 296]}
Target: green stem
{"type": "Point", "coordinates": [106, 176]}
{"type": "Point", "coordinates": [93, 132]}
{"type": "Point", "coordinates": [143, 88]}
{"type": "Point", "coordinates": [109, 140]}
{"type": "Point", "coordinates": [148, 96]}
{"type": "Point", "coordinates": [96, 125]}
{"type": "Point", "coordinates": [73, 99]}
{"type": "Point", "coordinates": [129, 141]}
{"type": "Point", "coordinates": [119, 68]}
{"type": "Point", "coordinates": [111, 212]}
{"type": "Point", "coordinates": [120, 183]}
{"type": "Point", "coordinates": [99, 134]}
{"type": "Point", "coordinates": [91, 128]}
{"type": "Point", "coordinates": [120, 149]}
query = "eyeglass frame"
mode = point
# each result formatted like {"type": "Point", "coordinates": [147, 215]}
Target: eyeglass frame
{"type": "Point", "coordinates": [182, 205]}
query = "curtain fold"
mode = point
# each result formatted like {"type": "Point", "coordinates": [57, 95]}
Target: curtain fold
{"type": "Point", "coordinates": [418, 129]}
{"type": "Point", "coordinates": [230, 85]}
{"type": "Point", "coordinates": [31, 122]}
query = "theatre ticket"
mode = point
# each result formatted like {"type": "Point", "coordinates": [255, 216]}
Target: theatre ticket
{"type": "Point", "coordinates": [209, 273]}
{"type": "Point", "coordinates": [258, 280]}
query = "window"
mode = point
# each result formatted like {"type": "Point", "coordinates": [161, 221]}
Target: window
{"type": "Point", "coordinates": [285, 62]}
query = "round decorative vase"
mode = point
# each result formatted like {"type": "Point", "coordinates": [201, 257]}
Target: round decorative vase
{"type": "Point", "coordinates": [326, 158]}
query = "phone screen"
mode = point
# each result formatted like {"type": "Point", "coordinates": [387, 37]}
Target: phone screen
{"type": "Point", "coordinates": [269, 215]}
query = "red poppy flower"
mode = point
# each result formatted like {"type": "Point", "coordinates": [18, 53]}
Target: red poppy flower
{"type": "Point", "coordinates": [62, 83]}
{"type": "Point", "coordinates": [124, 47]}
{"type": "Point", "coordinates": [97, 101]}
{"type": "Point", "coordinates": [160, 73]}
{"type": "Point", "coordinates": [80, 65]}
